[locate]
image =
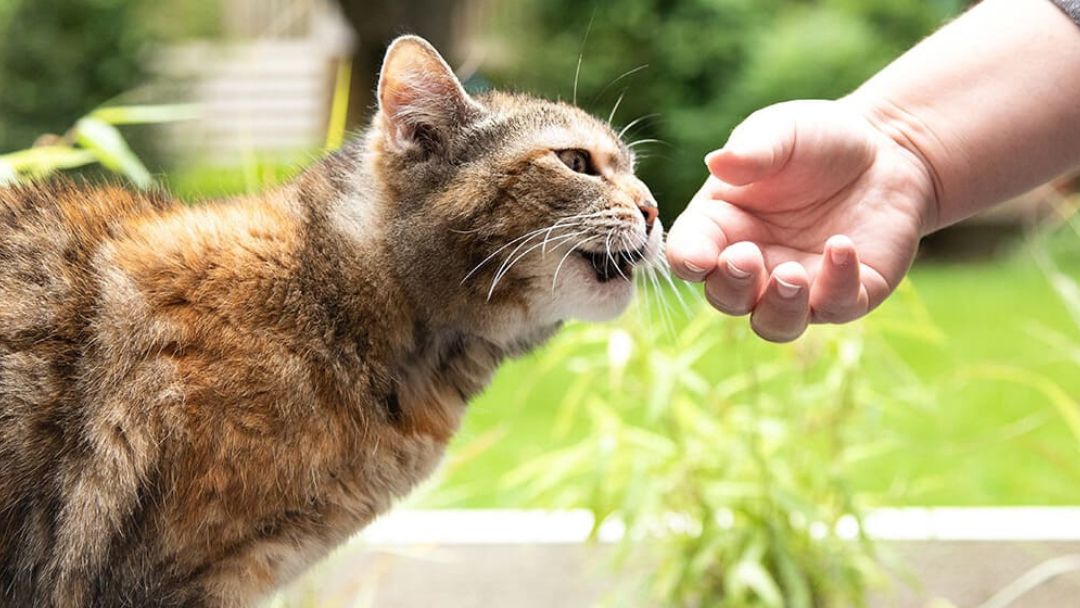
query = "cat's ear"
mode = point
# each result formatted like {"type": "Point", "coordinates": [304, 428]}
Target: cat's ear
{"type": "Point", "coordinates": [421, 101]}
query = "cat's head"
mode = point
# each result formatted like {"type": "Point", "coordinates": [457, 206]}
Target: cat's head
{"type": "Point", "coordinates": [505, 212]}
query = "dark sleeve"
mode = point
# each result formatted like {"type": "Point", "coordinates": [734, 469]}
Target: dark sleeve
{"type": "Point", "coordinates": [1071, 8]}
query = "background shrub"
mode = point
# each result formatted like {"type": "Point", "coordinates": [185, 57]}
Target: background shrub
{"type": "Point", "coordinates": [61, 58]}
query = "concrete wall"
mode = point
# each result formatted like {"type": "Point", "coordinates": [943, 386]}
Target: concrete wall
{"type": "Point", "coordinates": [529, 560]}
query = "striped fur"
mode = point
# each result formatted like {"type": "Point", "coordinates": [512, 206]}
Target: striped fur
{"type": "Point", "coordinates": [198, 402]}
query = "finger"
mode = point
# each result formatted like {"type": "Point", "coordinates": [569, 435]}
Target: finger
{"type": "Point", "coordinates": [838, 295]}
{"type": "Point", "coordinates": [757, 148]}
{"type": "Point", "coordinates": [695, 240]}
{"type": "Point", "coordinates": [783, 312]}
{"type": "Point", "coordinates": [734, 287]}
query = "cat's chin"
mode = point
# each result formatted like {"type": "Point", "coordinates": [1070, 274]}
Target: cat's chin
{"type": "Point", "coordinates": [582, 296]}
{"type": "Point", "coordinates": [599, 287]}
{"type": "Point", "coordinates": [608, 309]}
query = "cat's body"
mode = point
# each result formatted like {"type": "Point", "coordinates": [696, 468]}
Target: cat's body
{"type": "Point", "coordinates": [196, 403]}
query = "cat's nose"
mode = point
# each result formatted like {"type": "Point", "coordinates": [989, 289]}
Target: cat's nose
{"type": "Point", "coordinates": [649, 210]}
{"type": "Point", "coordinates": [637, 191]}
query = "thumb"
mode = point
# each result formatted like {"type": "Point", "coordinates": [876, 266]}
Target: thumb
{"type": "Point", "coordinates": [756, 149]}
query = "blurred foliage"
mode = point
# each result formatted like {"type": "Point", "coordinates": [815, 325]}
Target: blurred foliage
{"type": "Point", "coordinates": [94, 139]}
{"type": "Point", "coordinates": [59, 57]}
{"type": "Point", "coordinates": [732, 491]}
{"type": "Point", "coordinates": [710, 63]}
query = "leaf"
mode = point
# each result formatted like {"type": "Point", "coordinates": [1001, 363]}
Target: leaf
{"type": "Point", "coordinates": [476, 447]}
{"type": "Point", "coordinates": [1068, 407]}
{"type": "Point", "coordinates": [570, 406]}
{"type": "Point", "coordinates": [44, 160]}
{"type": "Point", "coordinates": [339, 109]}
{"type": "Point", "coordinates": [1069, 292]}
{"type": "Point", "coordinates": [750, 574]}
{"type": "Point", "coordinates": [792, 577]}
{"type": "Point", "coordinates": [149, 114]}
{"type": "Point", "coordinates": [111, 150]}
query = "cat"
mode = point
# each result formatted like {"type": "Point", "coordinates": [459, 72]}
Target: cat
{"type": "Point", "coordinates": [198, 402]}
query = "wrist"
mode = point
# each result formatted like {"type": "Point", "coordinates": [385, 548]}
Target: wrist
{"type": "Point", "coordinates": [916, 143]}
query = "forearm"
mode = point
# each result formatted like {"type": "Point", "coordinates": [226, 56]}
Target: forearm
{"type": "Point", "coordinates": [990, 103]}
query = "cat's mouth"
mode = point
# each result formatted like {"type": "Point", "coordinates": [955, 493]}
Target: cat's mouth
{"type": "Point", "coordinates": [608, 265]}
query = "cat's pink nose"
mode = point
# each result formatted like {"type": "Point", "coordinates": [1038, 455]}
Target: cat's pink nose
{"type": "Point", "coordinates": [648, 209]}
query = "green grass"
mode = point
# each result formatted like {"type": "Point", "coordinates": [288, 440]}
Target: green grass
{"type": "Point", "coordinates": [202, 183]}
{"type": "Point", "coordinates": [950, 429]}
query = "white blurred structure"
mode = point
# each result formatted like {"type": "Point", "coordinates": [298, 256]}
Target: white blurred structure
{"type": "Point", "coordinates": [267, 89]}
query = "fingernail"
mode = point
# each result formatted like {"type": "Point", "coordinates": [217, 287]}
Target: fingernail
{"type": "Point", "coordinates": [785, 289]}
{"type": "Point", "coordinates": [693, 267]}
{"type": "Point", "coordinates": [737, 272]}
{"type": "Point", "coordinates": [840, 256]}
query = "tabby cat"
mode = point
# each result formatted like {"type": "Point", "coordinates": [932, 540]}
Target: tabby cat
{"type": "Point", "coordinates": [198, 402]}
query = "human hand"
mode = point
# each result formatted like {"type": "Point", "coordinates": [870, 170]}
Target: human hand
{"type": "Point", "coordinates": [812, 214]}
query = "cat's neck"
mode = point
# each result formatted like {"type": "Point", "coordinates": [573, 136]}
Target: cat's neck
{"type": "Point", "coordinates": [430, 367]}
{"type": "Point", "coordinates": [421, 374]}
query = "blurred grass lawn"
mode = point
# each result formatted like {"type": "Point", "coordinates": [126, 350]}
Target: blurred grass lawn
{"type": "Point", "coordinates": [984, 442]}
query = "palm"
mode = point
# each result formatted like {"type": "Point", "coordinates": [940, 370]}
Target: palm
{"type": "Point", "coordinates": [875, 201]}
{"type": "Point", "coordinates": [830, 173]}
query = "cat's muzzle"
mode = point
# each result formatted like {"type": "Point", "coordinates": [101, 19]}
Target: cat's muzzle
{"type": "Point", "coordinates": [608, 265]}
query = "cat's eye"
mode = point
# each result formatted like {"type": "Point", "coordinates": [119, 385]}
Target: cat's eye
{"type": "Point", "coordinates": [577, 160]}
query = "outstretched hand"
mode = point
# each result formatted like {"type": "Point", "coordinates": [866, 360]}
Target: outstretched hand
{"type": "Point", "coordinates": [812, 214]}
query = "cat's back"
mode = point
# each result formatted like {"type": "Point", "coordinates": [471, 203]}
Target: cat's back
{"type": "Point", "coordinates": [50, 234]}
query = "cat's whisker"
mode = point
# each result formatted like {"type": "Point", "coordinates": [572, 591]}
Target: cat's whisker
{"type": "Point", "coordinates": [506, 262]}
{"type": "Point", "coordinates": [655, 267]}
{"type": "Point", "coordinates": [615, 108]}
{"type": "Point", "coordinates": [585, 218]}
{"type": "Point", "coordinates": [610, 256]}
{"type": "Point", "coordinates": [573, 221]}
{"type": "Point", "coordinates": [647, 297]}
{"type": "Point", "coordinates": [643, 267]}
{"type": "Point", "coordinates": [511, 259]}
{"type": "Point", "coordinates": [636, 255]}
{"type": "Point", "coordinates": [661, 304]}
{"type": "Point", "coordinates": [582, 217]}
{"type": "Point", "coordinates": [642, 286]}
{"type": "Point", "coordinates": [625, 74]}
{"type": "Point", "coordinates": [678, 292]}
{"type": "Point", "coordinates": [498, 277]}
{"type": "Point", "coordinates": [499, 250]}
{"type": "Point", "coordinates": [642, 142]}
{"type": "Point", "coordinates": [555, 277]}
{"type": "Point", "coordinates": [636, 122]}
{"type": "Point", "coordinates": [581, 54]}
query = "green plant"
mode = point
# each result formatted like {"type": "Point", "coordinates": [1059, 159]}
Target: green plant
{"type": "Point", "coordinates": [95, 138]}
{"type": "Point", "coordinates": [732, 491]}
{"type": "Point", "coordinates": [1063, 345]}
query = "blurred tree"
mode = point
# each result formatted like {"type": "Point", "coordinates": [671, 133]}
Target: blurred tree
{"type": "Point", "coordinates": [61, 58]}
{"type": "Point", "coordinates": [710, 63]}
